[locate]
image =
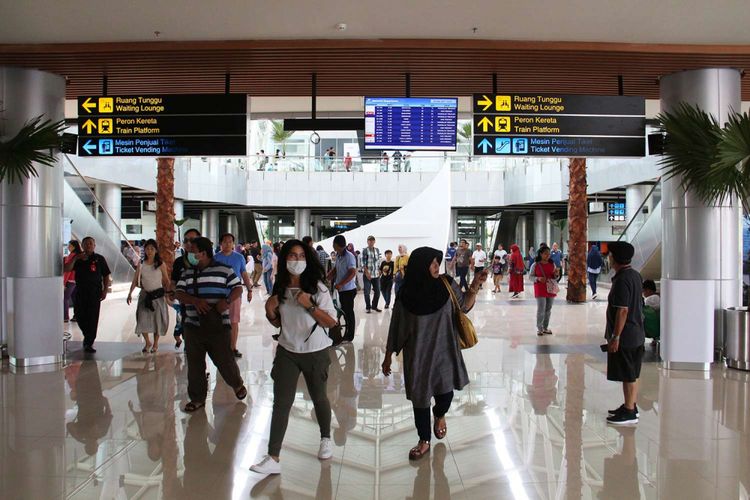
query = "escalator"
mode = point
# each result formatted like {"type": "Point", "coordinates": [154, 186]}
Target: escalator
{"type": "Point", "coordinates": [83, 224]}
{"type": "Point", "coordinates": [644, 233]}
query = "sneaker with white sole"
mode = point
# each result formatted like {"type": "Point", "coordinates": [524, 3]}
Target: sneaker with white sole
{"type": "Point", "coordinates": [326, 449]}
{"type": "Point", "coordinates": [625, 417]}
{"type": "Point", "coordinates": [267, 466]}
{"type": "Point", "coordinates": [622, 408]}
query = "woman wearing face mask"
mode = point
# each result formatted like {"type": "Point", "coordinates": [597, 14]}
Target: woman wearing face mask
{"type": "Point", "coordinates": [301, 306]}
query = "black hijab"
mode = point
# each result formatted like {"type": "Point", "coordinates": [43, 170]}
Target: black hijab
{"type": "Point", "coordinates": [420, 293]}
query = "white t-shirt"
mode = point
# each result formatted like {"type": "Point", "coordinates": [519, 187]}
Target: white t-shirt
{"type": "Point", "coordinates": [297, 323]}
{"type": "Point", "coordinates": [653, 301]}
{"type": "Point", "coordinates": [501, 254]}
{"type": "Point", "coordinates": [480, 258]}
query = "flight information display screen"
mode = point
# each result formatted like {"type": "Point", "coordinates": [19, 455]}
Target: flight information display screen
{"type": "Point", "coordinates": [411, 123]}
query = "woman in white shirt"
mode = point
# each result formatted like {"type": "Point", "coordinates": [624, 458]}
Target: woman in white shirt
{"type": "Point", "coordinates": [302, 307]}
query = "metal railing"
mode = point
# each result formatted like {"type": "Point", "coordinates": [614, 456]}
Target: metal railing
{"type": "Point", "coordinates": [640, 217]}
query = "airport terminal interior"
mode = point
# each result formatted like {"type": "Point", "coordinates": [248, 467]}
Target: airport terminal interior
{"type": "Point", "coordinates": [248, 249]}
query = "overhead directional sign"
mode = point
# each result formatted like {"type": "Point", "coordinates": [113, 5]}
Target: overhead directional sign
{"type": "Point", "coordinates": [559, 125]}
{"type": "Point", "coordinates": [177, 125]}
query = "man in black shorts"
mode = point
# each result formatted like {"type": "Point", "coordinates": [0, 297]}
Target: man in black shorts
{"type": "Point", "coordinates": [625, 334]}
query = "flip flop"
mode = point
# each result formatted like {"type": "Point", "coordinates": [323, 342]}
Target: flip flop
{"type": "Point", "coordinates": [415, 454]}
{"type": "Point", "coordinates": [193, 406]}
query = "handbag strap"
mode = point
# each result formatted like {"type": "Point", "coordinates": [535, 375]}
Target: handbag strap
{"type": "Point", "coordinates": [454, 299]}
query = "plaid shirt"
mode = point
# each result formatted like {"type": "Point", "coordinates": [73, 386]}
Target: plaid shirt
{"type": "Point", "coordinates": [371, 261]}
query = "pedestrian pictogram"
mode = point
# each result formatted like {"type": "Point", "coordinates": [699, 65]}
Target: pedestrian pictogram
{"type": "Point", "coordinates": [105, 125]}
{"type": "Point", "coordinates": [106, 105]}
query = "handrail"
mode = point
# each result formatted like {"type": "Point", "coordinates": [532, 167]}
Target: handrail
{"type": "Point", "coordinates": [640, 208]}
{"type": "Point", "coordinates": [99, 202]}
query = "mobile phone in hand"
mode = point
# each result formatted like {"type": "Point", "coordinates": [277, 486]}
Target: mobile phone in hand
{"type": "Point", "coordinates": [604, 347]}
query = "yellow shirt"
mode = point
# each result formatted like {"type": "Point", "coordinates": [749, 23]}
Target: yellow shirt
{"type": "Point", "coordinates": [401, 262]}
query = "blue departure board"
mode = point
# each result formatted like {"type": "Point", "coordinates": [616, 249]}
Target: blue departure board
{"type": "Point", "coordinates": [411, 123]}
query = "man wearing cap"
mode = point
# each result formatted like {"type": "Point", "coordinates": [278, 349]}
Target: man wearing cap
{"type": "Point", "coordinates": [625, 334]}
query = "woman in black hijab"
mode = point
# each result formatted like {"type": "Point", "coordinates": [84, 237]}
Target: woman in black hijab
{"type": "Point", "coordinates": [423, 326]}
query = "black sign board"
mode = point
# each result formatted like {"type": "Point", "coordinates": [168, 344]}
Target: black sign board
{"type": "Point", "coordinates": [559, 125]}
{"type": "Point", "coordinates": [175, 125]}
{"type": "Point", "coordinates": [163, 146]}
{"type": "Point", "coordinates": [175, 104]}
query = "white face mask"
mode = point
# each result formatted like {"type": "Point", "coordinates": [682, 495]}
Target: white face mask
{"type": "Point", "coordinates": [296, 267]}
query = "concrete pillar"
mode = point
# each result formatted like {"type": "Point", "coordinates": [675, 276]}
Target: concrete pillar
{"type": "Point", "coordinates": [301, 222]}
{"type": "Point", "coordinates": [233, 226]}
{"type": "Point", "coordinates": [634, 198]}
{"type": "Point", "coordinates": [522, 238]}
{"type": "Point", "coordinates": [454, 225]}
{"type": "Point", "coordinates": [110, 198]}
{"type": "Point", "coordinates": [542, 228]}
{"type": "Point", "coordinates": [210, 224]}
{"type": "Point", "coordinates": [694, 233]}
{"type": "Point", "coordinates": [31, 228]}
{"type": "Point", "coordinates": [317, 221]}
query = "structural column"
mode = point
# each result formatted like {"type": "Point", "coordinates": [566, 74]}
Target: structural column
{"type": "Point", "coordinates": [233, 226]}
{"type": "Point", "coordinates": [31, 228]}
{"type": "Point", "coordinates": [301, 222]}
{"type": "Point", "coordinates": [110, 199]}
{"type": "Point", "coordinates": [454, 225]}
{"type": "Point", "coordinates": [522, 237]}
{"type": "Point", "coordinates": [210, 224]}
{"type": "Point", "coordinates": [542, 228]}
{"type": "Point", "coordinates": [317, 221]}
{"type": "Point", "coordinates": [694, 293]}
{"type": "Point", "coordinates": [634, 198]}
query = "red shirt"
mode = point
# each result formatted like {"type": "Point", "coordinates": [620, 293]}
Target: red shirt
{"type": "Point", "coordinates": [547, 270]}
{"type": "Point", "coordinates": [69, 276]}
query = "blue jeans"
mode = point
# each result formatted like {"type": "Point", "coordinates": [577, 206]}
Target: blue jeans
{"type": "Point", "coordinates": [373, 284]}
{"type": "Point", "coordinates": [267, 281]}
{"type": "Point", "coordinates": [463, 272]}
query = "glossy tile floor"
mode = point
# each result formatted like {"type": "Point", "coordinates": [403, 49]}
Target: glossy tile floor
{"type": "Point", "coordinates": [529, 426]}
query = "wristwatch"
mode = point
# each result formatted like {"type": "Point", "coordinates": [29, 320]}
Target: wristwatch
{"type": "Point", "coordinates": [312, 308]}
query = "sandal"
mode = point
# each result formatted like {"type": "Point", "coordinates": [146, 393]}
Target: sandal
{"type": "Point", "coordinates": [154, 350]}
{"type": "Point", "coordinates": [178, 343]}
{"type": "Point", "coordinates": [144, 350]}
{"type": "Point", "coordinates": [440, 432]}
{"type": "Point", "coordinates": [416, 454]}
{"type": "Point", "coordinates": [241, 393]}
{"type": "Point", "coordinates": [193, 406]}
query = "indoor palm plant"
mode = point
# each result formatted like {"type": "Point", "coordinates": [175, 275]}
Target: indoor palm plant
{"type": "Point", "coordinates": [36, 142]}
{"type": "Point", "coordinates": [713, 161]}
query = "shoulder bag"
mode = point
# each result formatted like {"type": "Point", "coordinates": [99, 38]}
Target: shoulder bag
{"type": "Point", "coordinates": [552, 286]}
{"type": "Point", "coordinates": [467, 334]}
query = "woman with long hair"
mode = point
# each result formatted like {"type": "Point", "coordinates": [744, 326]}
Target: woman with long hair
{"type": "Point", "coordinates": [516, 270]}
{"type": "Point", "coordinates": [402, 262]}
{"type": "Point", "coordinates": [594, 262]}
{"type": "Point", "coordinates": [151, 312]}
{"type": "Point", "coordinates": [544, 272]}
{"type": "Point", "coordinates": [69, 279]}
{"type": "Point", "coordinates": [423, 326]}
{"type": "Point", "coordinates": [302, 307]}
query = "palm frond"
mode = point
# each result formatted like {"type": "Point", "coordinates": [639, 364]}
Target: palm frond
{"type": "Point", "coordinates": [734, 153]}
{"type": "Point", "coordinates": [464, 131]}
{"type": "Point", "coordinates": [278, 134]}
{"type": "Point", "coordinates": [34, 143]}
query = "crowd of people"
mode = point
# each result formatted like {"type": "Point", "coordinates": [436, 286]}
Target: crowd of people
{"type": "Point", "coordinates": [310, 298]}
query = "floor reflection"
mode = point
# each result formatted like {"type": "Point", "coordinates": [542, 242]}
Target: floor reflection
{"type": "Point", "coordinates": [529, 426]}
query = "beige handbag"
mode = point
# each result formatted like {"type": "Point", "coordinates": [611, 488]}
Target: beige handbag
{"type": "Point", "coordinates": [467, 334]}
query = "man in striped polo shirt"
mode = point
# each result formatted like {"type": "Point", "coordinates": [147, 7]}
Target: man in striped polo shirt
{"type": "Point", "coordinates": [207, 289]}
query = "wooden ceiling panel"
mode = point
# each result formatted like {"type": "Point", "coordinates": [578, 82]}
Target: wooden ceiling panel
{"type": "Point", "coordinates": [438, 67]}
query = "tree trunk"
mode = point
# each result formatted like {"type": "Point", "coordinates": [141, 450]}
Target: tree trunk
{"type": "Point", "coordinates": [165, 210]}
{"type": "Point", "coordinates": [577, 231]}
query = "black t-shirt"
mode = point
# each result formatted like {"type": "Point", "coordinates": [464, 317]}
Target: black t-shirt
{"type": "Point", "coordinates": [626, 292]}
{"type": "Point", "coordinates": [179, 265]}
{"type": "Point", "coordinates": [90, 272]}
{"type": "Point", "coordinates": [386, 270]}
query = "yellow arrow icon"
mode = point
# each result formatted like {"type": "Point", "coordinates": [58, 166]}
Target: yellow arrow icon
{"type": "Point", "coordinates": [88, 105]}
{"type": "Point", "coordinates": [486, 102]}
{"type": "Point", "coordinates": [485, 123]}
{"type": "Point", "coordinates": [88, 126]}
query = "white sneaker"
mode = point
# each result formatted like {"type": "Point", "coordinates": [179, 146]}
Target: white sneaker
{"type": "Point", "coordinates": [267, 466]}
{"type": "Point", "coordinates": [326, 449]}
